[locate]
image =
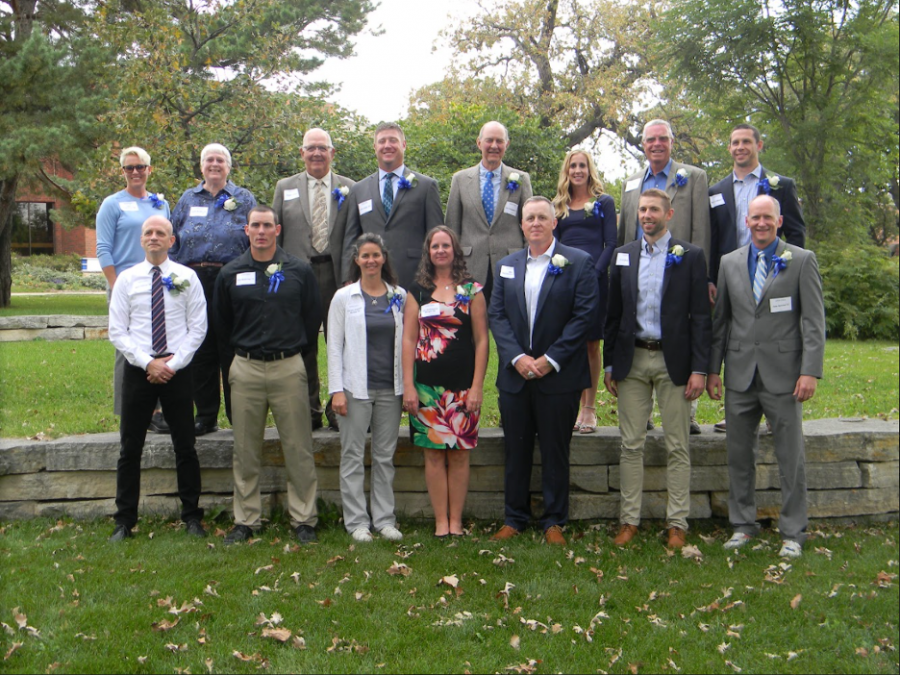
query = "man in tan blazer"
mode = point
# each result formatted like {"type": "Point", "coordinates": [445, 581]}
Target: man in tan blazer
{"type": "Point", "coordinates": [490, 188]}
{"type": "Point", "coordinates": [310, 207]}
{"type": "Point", "coordinates": [687, 187]}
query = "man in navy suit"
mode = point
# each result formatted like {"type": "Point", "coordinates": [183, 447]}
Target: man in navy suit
{"type": "Point", "coordinates": [541, 307]}
{"type": "Point", "coordinates": [657, 337]}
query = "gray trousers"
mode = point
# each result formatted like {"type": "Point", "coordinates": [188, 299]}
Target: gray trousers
{"type": "Point", "coordinates": [743, 412]}
{"type": "Point", "coordinates": [382, 411]}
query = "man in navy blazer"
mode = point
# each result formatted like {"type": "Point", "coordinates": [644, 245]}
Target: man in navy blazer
{"type": "Point", "coordinates": [657, 337]}
{"type": "Point", "coordinates": [541, 307]}
{"type": "Point", "coordinates": [731, 196]}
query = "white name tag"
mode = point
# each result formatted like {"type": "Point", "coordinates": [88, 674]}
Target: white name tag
{"type": "Point", "coordinates": [633, 184]}
{"type": "Point", "coordinates": [507, 271]}
{"type": "Point", "coordinates": [245, 279]}
{"type": "Point", "coordinates": [199, 211]}
{"type": "Point", "coordinates": [623, 260]}
{"type": "Point", "coordinates": [431, 309]}
{"type": "Point", "coordinates": [128, 206]}
{"type": "Point", "coordinates": [511, 208]}
{"type": "Point", "coordinates": [365, 207]}
{"type": "Point", "coordinates": [780, 305]}
{"type": "Point", "coordinates": [293, 193]}
{"type": "Point", "coordinates": [716, 200]}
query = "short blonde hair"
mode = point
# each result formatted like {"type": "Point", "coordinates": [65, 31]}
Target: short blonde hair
{"type": "Point", "coordinates": [140, 153]}
{"type": "Point", "coordinates": [218, 149]}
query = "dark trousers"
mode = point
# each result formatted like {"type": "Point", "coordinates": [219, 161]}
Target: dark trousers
{"type": "Point", "coordinates": [323, 268]}
{"type": "Point", "coordinates": [209, 361]}
{"type": "Point", "coordinates": [139, 399]}
{"type": "Point", "coordinates": [550, 417]}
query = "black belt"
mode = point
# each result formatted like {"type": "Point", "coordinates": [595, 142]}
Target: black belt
{"type": "Point", "coordinates": [649, 345]}
{"type": "Point", "coordinates": [320, 258]}
{"type": "Point", "coordinates": [262, 356]}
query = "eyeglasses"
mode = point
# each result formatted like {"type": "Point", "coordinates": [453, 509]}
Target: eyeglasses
{"type": "Point", "coordinates": [316, 148]}
{"type": "Point", "coordinates": [135, 167]}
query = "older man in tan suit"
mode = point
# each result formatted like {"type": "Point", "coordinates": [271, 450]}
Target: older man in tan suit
{"type": "Point", "coordinates": [485, 206]}
{"type": "Point", "coordinates": [310, 208]}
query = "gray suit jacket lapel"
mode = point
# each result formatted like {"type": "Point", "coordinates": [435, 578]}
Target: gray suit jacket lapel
{"type": "Point", "coordinates": [303, 182]}
{"type": "Point", "coordinates": [770, 277]}
{"type": "Point", "coordinates": [503, 197]}
{"type": "Point", "coordinates": [375, 195]}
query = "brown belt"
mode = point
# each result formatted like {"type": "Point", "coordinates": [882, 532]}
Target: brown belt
{"type": "Point", "coordinates": [201, 265]}
{"type": "Point", "coordinates": [649, 345]}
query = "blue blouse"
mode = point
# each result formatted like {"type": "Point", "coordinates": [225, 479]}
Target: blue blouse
{"type": "Point", "coordinates": [205, 231]}
{"type": "Point", "coordinates": [119, 222]}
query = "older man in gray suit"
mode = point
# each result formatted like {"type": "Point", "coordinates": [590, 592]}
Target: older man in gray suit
{"type": "Point", "coordinates": [769, 328]}
{"type": "Point", "coordinates": [485, 206]}
{"type": "Point", "coordinates": [394, 202]}
{"type": "Point", "coordinates": [310, 207]}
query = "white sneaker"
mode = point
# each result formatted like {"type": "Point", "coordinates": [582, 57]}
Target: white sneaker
{"type": "Point", "coordinates": [737, 540]}
{"type": "Point", "coordinates": [790, 549]}
{"type": "Point", "coordinates": [391, 533]}
{"type": "Point", "coordinates": [361, 534]}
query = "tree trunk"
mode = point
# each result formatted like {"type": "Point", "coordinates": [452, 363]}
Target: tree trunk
{"type": "Point", "coordinates": [7, 208]}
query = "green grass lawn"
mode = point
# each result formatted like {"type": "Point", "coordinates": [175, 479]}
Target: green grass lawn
{"type": "Point", "coordinates": [62, 388]}
{"type": "Point", "coordinates": [163, 603]}
{"type": "Point", "coordinates": [78, 304]}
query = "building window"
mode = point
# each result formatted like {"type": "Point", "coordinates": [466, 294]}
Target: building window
{"type": "Point", "coordinates": [32, 228]}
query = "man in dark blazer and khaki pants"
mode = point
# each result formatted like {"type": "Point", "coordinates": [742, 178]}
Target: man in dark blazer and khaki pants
{"type": "Point", "coordinates": [544, 297]}
{"type": "Point", "coordinates": [311, 208]}
{"type": "Point", "coordinates": [770, 331]}
{"type": "Point", "coordinates": [394, 202]}
{"type": "Point", "coordinates": [657, 338]}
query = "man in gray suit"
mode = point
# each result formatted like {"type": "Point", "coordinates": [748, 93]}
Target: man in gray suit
{"type": "Point", "coordinates": [311, 208]}
{"type": "Point", "coordinates": [769, 328]}
{"type": "Point", "coordinates": [687, 187]}
{"type": "Point", "coordinates": [485, 206]}
{"type": "Point", "coordinates": [394, 202]}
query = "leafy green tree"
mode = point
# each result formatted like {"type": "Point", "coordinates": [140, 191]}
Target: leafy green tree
{"type": "Point", "coordinates": [820, 78]}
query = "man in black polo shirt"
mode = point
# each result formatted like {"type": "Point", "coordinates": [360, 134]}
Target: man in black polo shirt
{"type": "Point", "coordinates": [268, 313]}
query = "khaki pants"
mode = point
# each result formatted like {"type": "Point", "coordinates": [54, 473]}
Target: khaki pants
{"type": "Point", "coordinates": [257, 387]}
{"type": "Point", "coordinates": [648, 373]}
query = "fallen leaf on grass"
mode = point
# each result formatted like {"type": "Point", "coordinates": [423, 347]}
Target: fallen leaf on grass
{"type": "Point", "coordinates": [524, 668]}
{"type": "Point", "coordinates": [164, 625]}
{"type": "Point", "coordinates": [209, 590]}
{"type": "Point", "coordinates": [704, 627]}
{"type": "Point", "coordinates": [795, 603]}
{"type": "Point", "coordinates": [12, 649]}
{"type": "Point", "coordinates": [335, 559]}
{"type": "Point", "coordinates": [452, 581]}
{"type": "Point", "coordinates": [280, 634]}
{"type": "Point", "coordinates": [186, 608]}
{"type": "Point", "coordinates": [176, 648]}
{"type": "Point", "coordinates": [85, 637]}
{"type": "Point", "coordinates": [298, 642]}
{"type": "Point", "coordinates": [502, 561]}
{"type": "Point", "coordinates": [515, 641]}
{"type": "Point", "coordinates": [691, 551]}
{"type": "Point", "coordinates": [734, 666]}
{"type": "Point", "coordinates": [884, 579]}
{"type": "Point", "coordinates": [20, 619]}
{"type": "Point", "coordinates": [255, 658]}
{"type": "Point", "coordinates": [399, 569]}
{"type": "Point", "coordinates": [633, 667]}
{"type": "Point", "coordinates": [341, 645]}
{"type": "Point", "coordinates": [862, 651]}
{"type": "Point", "coordinates": [672, 665]}
{"type": "Point", "coordinates": [724, 647]}
{"type": "Point", "coordinates": [209, 665]}
{"type": "Point", "coordinates": [6, 627]}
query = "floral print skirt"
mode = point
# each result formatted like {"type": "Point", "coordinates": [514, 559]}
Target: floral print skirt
{"type": "Point", "coordinates": [442, 421]}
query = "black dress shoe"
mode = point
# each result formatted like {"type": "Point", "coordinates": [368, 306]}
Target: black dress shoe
{"type": "Point", "coordinates": [650, 425]}
{"type": "Point", "coordinates": [195, 528]}
{"type": "Point", "coordinates": [695, 428]}
{"type": "Point", "coordinates": [201, 428]}
{"type": "Point", "coordinates": [306, 534]}
{"type": "Point", "coordinates": [121, 533]}
{"type": "Point", "coordinates": [238, 533]}
{"type": "Point", "coordinates": [158, 424]}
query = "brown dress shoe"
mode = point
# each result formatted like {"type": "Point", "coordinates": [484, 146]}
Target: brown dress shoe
{"type": "Point", "coordinates": [505, 532]}
{"type": "Point", "coordinates": [677, 537]}
{"type": "Point", "coordinates": [626, 534]}
{"type": "Point", "coordinates": [554, 535]}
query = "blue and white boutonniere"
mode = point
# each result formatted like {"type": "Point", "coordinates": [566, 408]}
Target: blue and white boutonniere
{"type": "Point", "coordinates": [781, 262]}
{"type": "Point", "coordinates": [276, 276]}
{"type": "Point", "coordinates": [175, 284]}
{"type": "Point", "coordinates": [557, 264]}
{"type": "Point", "coordinates": [394, 300]}
{"type": "Point", "coordinates": [464, 294]}
{"type": "Point", "coordinates": [681, 177]}
{"type": "Point", "coordinates": [769, 183]}
{"type": "Point", "coordinates": [408, 181]}
{"type": "Point", "coordinates": [595, 208]}
{"type": "Point", "coordinates": [340, 194]}
{"type": "Point", "coordinates": [227, 202]}
{"type": "Point", "coordinates": [158, 201]}
{"type": "Point", "coordinates": [513, 183]}
{"type": "Point", "coordinates": [674, 256]}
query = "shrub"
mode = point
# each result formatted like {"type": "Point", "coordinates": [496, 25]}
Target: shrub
{"type": "Point", "coordinates": [862, 292]}
{"type": "Point", "coordinates": [63, 262]}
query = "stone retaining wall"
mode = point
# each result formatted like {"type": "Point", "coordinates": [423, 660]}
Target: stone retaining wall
{"type": "Point", "coordinates": [852, 469]}
{"type": "Point", "coordinates": [59, 327]}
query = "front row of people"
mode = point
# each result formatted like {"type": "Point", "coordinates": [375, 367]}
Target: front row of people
{"type": "Point", "coordinates": [425, 350]}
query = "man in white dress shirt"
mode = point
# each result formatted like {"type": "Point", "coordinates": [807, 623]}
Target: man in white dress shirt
{"type": "Point", "coordinates": [157, 320]}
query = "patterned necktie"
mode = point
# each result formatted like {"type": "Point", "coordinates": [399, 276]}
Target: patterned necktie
{"type": "Point", "coordinates": [759, 279]}
{"type": "Point", "coordinates": [387, 197]}
{"type": "Point", "coordinates": [158, 313]}
{"type": "Point", "coordinates": [320, 218]}
{"type": "Point", "coordinates": [487, 197]}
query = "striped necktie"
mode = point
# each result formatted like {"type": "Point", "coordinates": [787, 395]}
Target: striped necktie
{"type": "Point", "coordinates": [759, 279]}
{"type": "Point", "coordinates": [158, 313]}
{"type": "Point", "coordinates": [320, 218]}
{"type": "Point", "coordinates": [387, 196]}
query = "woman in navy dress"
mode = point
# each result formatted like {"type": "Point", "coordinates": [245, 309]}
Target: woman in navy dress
{"type": "Point", "coordinates": [587, 221]}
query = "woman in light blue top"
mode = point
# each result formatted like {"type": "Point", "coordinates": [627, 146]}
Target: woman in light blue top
{"type": "Point", "coordinates": [119, 222]}
{"type": "Point", "coordinates": [365, 328]}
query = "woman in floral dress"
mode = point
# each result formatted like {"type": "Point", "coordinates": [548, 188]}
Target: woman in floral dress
{"type": "Point", "coordinates": [445, 353]}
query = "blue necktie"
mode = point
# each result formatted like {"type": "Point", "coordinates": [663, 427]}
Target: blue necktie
{"type": "Point", "coordinates": [759, 279]}
{"type": "Point", "coordinates": [387, 196]}
{"type": "Point", "coordinates": [487, 197]}
{"type": "Point", "coordinates": [158, 313]}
